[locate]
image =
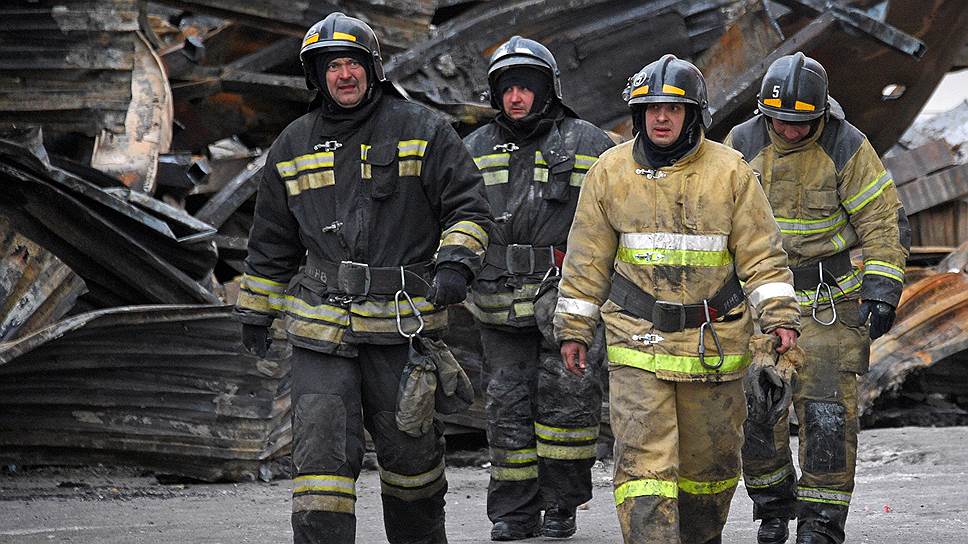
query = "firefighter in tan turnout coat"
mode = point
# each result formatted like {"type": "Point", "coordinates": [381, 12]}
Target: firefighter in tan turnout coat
{"type": "Point", "coordinates": [830, 194]}
{"type": "Point", "coordinates": [667, 228]}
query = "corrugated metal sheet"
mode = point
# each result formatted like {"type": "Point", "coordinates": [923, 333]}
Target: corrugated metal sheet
{"type": "Point", "coordinates": [164, 387]}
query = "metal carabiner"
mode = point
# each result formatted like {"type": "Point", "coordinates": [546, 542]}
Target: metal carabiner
{"type": "Point", "coordinates": [702, 340]}
{"type": "Point", "coordinates": [413, 306]}
{"type": "Point", "coordinates": [830, 298]}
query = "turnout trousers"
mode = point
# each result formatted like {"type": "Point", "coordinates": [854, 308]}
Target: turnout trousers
{"type": "Point", "coordinates": [825, 400]}
{"type": "Point", "coordinates": [677, 455]}
{"type": "Point", "coordinates": [542, 426]}
{"type": "Point", "coordinates": [333, 399]}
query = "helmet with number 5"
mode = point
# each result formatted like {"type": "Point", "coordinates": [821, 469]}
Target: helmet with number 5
{"type": "Point", "coordinates": [794, 89]}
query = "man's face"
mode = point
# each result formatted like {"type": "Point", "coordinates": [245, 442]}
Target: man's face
{"type": "Point", "coordinates": [663, 122]}
{"type": "Point", "coordinates": [346, 81]}
{"type": "Point", "coordinates": [517, 101]}
{"type": "Point", "coordinates": [791, 132]}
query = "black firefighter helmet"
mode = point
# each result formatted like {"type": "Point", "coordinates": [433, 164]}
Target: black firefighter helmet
{"type": "Point", "coordinates": [669, 79]}
{"type": "Point", "coordinates": [519, 52]}
{"type": "Point", "coordinates": [794, 89]}
{"type": "Point", "coordinates": [339, 32]}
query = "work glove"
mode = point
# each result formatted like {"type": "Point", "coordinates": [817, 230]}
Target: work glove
{"type": "Point", "coordinates": [256, 339]}
{"type": "Point", "coordinates": [417, 393]}
{"type": "Point", "coordinates": [769, 381]}
{"type": "Point", "coordinates": [455, 393]}
{"type": "Point", "coordinates": [449, 285]}
{"type": "Point", "coordinates": [881, 315]}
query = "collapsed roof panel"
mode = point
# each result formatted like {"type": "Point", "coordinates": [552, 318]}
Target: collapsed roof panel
{"type": "Point", "coordinates": [165, 387]}
{"type": "Point", "coordinates": [125, 254]}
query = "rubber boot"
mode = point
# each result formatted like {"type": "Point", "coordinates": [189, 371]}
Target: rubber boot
{"type": "Point", "coordinates": [559, 523]}
{"type": "Point", "coordinates": [773, 531]}
{"type": "Point", "coordinates": [504, 531]}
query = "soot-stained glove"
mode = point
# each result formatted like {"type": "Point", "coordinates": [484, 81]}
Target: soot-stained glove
{"type": "Point", "coordinates": [449, 285]}
{"type": "Point", "coordinates": [881, 315]}
{"type": "Point", "coordinates": [256, 339]}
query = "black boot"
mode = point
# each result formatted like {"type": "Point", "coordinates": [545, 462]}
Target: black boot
{"type": "Point", "coordinates": [559, 523]}
{"type": "Point", "coordinates": [813, 538]}
{"type": "Point", "coordinates": [773, 531]}
{"type": "Point", "coordinates": [507, 530]}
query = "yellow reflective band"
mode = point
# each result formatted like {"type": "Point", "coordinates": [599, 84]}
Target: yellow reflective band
{"type": "Point", "coordinates": [470, 229]}
{"type": "Point", "coordinates": [811, 226]}
{"type": "Point", "coordinates": [576, 179]}
{"type": "Point", "coordinates": [540, 174]}
{"type": "Point", "coordinates": [838, 241]}
{"type": "Point", "coordinates": [803, 106]}
{"type": "Point", "coordinates": [323, 312]}
{"type": "Point", "coordinates": [324, 503]}
{"type": "Point", "coordinates": [671, 89]}
{"type": "Point", "coordinates": [256, 303]}
{"type": "Point", "coordinates": [523, 309]}
{"type": "Point", "coordinates": [514, 457]}
{"type": "Point", "coordinates": [388, 309]}
{"type": "Point", "coordinates": [707, 488]}
{"type": "Point", "coordinates": [262, 286]}
{"type": "Point", "coordinates": [343, 36]}
{"type": "Point", "coordinates": [639, 91]}
{"type": "Point", "coordinates": [301, 163]}
{"type": "Point", "coordinates": [539, 159]}
{"type": "Point", "coordinates": [410, 168]}
{"type": "Point", "coordinates": [675, 363]}
{"type": "Point", "coordinates": [821, 495]}
{"type": "Point", "coordinates": [495, 178]}
{"type": "Point", "coordinates": [773, 102]}
{"type": "Point", "coordinates": [584, 162]}
{"type": "Point", "coordinates": [883, 268]}
{"type": "Point", "coordinates": [768, 480]}
{"type": "Point", "coordinates": [364, 149]}
{"type": "Point", "coordinates": [565, 434]}
{"type": "Point", "coordinates": [672, 257]}
{"type": "Point", "coordinates": [646, 488]}
{"type": "Point", "coordinates": [493, 160]}
{"type": "Point", "coordinates": [312, 180]}
{"type": "Point", "coordinates": [316, 330]}
{"type": "Point", "coordinates": [411, 148]}
{"type": "Point", "coordinates": [566, 453]}
{"type": "Point", "coordinates": [417, 480]}
{"type": "Point", "coordinates": [338, 484]}
{"type": "Point", "coordinates": [871, 191]}
{"type": "Point", "coordinates": [312, 38]}
{"type": "Point", "coordinates": [506, 474]}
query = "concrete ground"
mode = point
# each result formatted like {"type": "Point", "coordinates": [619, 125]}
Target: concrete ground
{"type": "Point", "coordinates": [910, 488]}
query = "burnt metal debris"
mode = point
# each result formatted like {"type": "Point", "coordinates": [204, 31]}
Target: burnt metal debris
{"type": "Point", "coordinates": [132, 133]}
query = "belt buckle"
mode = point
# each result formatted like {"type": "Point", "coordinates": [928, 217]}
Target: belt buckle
{"type": "Point", "coordinates": [353, 278]}
{"type": "Point", "coordinates": [515, 257]}
{"type": "Point", "coordinates": [669, 316]}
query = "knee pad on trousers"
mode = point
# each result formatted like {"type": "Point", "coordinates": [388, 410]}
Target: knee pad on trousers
{"type": "Point", "coordinates": [825, 431]}
{"type": "Point", "coordinates": [508, 410]}
{"type": "Point", "coordinates": [319, 434]}
{"type": "Point", "coordinates": [564, 399]}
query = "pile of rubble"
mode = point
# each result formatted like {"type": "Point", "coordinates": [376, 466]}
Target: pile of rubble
{"type": "Point", "coordinates": [131, 133]}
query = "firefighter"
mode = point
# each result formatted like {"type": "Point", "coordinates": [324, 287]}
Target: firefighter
{"type": "Point", "coordinates": [360, 189]}
{"type": "Point", "coordinates": [830, 194]}
{"type": "Point", "coordinates": [542, 422]}
{"type": "Point", "coordinates": [671, 235]}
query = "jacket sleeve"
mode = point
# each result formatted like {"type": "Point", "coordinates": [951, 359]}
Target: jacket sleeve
{"type": "Point", "coordinates": [868, 194]}
{"type": "Point", "coordinates": [275, 251]}
{"type": "Point", "coordinates": [761, 263]}
{"type": "Point", "coordinates": [455, 183]}
{"type": "Point", "coordinates": [587, 270]}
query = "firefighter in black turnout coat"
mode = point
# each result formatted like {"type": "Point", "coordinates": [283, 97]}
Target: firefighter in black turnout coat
{"type": "Point", "coordinates": [363, 189]}
{"type": "Point", "coordinates": [542, 422]}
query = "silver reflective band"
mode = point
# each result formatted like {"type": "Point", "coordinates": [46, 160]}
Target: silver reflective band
{"type": "Point", "coordinates": [576, 307]}
{"type": "Point", "coordinates": [670, 240]}
{"type": "Point", "coordinates": [771, 290]}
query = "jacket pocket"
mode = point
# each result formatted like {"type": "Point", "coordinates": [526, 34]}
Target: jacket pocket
{"type": "Point", "coordinates": [825, 201]}
{"type": "Point", "coordinates": [381, 165]}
